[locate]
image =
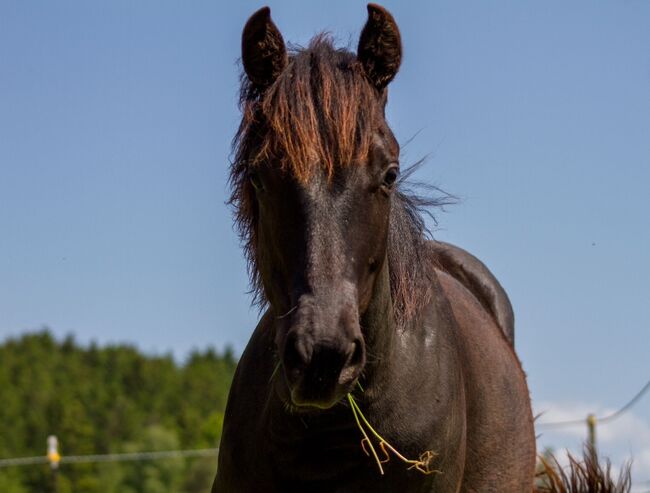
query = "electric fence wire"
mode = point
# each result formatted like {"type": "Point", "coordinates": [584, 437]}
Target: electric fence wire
{"type": "Point", "coordinates": [165, 454]}
{"type": "Point", "coordinates": [605, 419]}
{"type": "Point", "coordinates": [128, 456]}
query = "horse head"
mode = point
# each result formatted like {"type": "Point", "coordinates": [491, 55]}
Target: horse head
{"type": "Point", "coordinates": [315, 169]}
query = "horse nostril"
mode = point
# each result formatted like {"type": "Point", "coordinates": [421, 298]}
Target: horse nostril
{"type": "Point", "coordinates": [357, 353]}
{"type": "Point", "coordinates": [353, 363]}
{"type": "Point", "coordinates": [297, 355]}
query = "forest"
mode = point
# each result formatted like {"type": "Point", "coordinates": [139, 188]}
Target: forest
{"type": "Point", "coordinates": [109, 399]}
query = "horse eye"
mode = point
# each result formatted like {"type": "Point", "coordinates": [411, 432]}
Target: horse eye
{"type": "Point", "coordinates": [390, 177]}
{"type": "Point", "coordinates": [255, 181]}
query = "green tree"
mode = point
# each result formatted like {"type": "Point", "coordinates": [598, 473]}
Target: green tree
{"type": "Point", "coordinates": [105, 400]}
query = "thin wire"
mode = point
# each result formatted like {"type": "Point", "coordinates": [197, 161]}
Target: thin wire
{"type": "Point", "coordinates": [561, 424]}
{"type": "Point", "coordinates": [23, 461]}
{"type": "Point", "coordinates": [135, 456]}
{"type": "Point", "coordinates": [627, 406]}
{"type": "Point", "coordinates": [130, 456]}
{"type": "Point", "coordinates": [605, 419]}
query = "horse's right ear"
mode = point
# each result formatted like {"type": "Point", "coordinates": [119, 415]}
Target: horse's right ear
{"type": "Point", "coordinates": [264, 54]}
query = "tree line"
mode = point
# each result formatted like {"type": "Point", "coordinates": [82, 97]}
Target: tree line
{"type": "Point", "coordinates": [109, 399]}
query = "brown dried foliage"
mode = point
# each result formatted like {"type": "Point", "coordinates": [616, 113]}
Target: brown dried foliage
{"type": "Point", "coordinates": [588, 475]}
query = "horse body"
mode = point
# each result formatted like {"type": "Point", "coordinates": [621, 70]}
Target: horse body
{"type": "Point", "coordinates": [359, 302]}
{"type": "Point", "coordinates": [446, 384]}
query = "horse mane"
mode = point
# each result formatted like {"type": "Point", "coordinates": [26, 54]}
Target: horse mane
{"type": "Point", "coordinates": [320, 113]}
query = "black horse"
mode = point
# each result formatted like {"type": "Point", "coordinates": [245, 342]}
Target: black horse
{"type": "Point", "coordinates": [384, 361]}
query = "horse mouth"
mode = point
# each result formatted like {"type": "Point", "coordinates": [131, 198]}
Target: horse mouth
{"type": "Point", "coordinates": [312, 403]}
{"type": "Point", "coordinates": [305, 398]}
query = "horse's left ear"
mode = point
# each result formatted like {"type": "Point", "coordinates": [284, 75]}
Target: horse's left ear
{"type": "Point", "coordinates": [380, 46]}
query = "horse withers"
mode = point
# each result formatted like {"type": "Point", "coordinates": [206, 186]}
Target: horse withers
{"type": "Point", "coordinates": [370, 332]}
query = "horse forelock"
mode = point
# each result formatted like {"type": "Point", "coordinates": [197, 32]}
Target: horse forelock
{"type": "Point", "coordinates": [319, 113]}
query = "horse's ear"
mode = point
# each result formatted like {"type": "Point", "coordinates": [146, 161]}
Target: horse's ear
{"type": "Point", "coordinates": [264, 54]}
{"type": "Point", "coordinates": [380, 46]}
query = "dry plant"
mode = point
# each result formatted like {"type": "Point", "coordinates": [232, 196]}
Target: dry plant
{"type": "Point", "coordinates": [583, 475]}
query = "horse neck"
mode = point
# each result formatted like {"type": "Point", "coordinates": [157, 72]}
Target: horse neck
{"type": "Point", "coordinates": [380, 330]}
{"type": "Point", "coordinates": [395, 352]}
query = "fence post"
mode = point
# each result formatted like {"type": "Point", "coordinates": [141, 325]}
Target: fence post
{"type": "Point", "coordinates": [591, 428]}
{"type": "Point", "coordinates": [54, 458]}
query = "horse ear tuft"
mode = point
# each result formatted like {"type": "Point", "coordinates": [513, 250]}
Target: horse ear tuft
{"type": "Point", "coordinates": [380, 46]}
{"type": "Point", "coordinates": [264, 54]}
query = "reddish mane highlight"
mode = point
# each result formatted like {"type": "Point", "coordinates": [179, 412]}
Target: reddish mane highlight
{"type": "Point", "coordinates": [317, 114]}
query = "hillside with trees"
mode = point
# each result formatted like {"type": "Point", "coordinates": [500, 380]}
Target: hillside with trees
{"type": "Point", "coordinates": [110, 399]}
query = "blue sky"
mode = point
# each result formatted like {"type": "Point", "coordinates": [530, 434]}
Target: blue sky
{"type": "Point", "coordinates": [115, 128]}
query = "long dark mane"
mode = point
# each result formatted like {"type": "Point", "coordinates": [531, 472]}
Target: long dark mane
{"type": "Point", "coordinates": [322, 112]}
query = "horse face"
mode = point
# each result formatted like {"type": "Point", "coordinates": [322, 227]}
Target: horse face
{"type": "Point", "coordinates": [321, 236]}
{"type": "Point", "coordinates": [321, 245]}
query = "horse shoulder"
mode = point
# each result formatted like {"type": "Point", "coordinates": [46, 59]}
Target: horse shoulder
{"type": "Point", "coordinates": [477, 278]}
{"type": "Point", "coordinates": [240, 464]}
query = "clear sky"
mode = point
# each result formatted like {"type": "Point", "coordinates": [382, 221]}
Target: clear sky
{"type": "Point", "coordinates": [115, 128]}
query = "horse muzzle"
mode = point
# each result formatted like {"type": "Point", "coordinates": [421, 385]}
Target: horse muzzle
{"type": "Point", "coordinates": [320, 374]}
{"type": "Point", "coordinates": [322, 364]}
